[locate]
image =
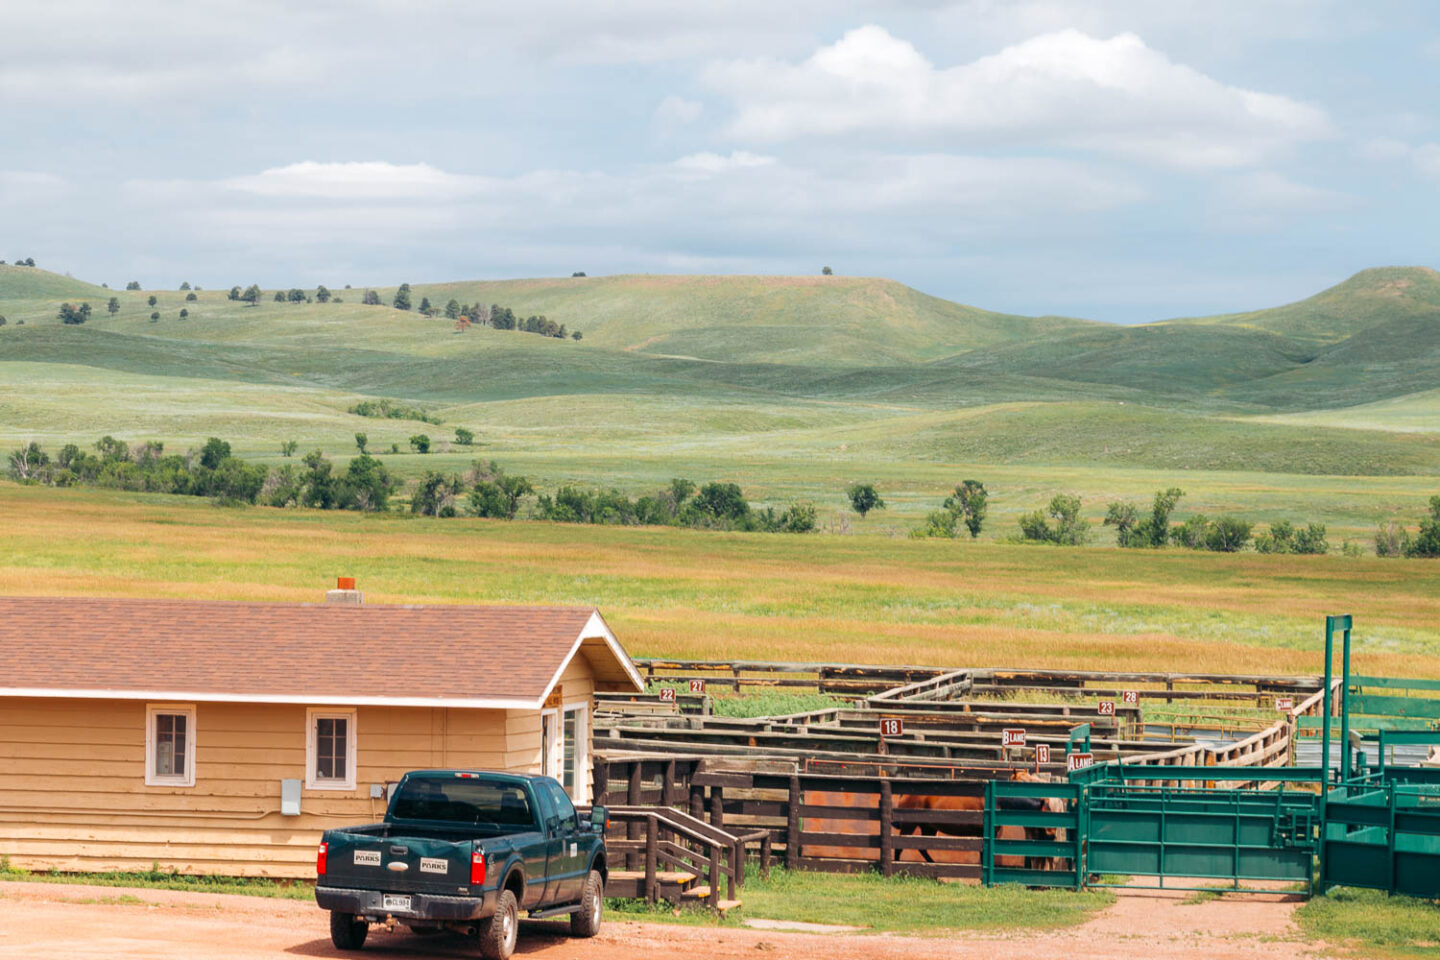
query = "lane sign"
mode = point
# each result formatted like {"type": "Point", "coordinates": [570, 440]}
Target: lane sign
{"type": "Point", "coordinates": [667, 694]}
{"type": "Point", "coordinates": [1042, 753]}
{"type": "Point", "coordinates": [1012, 737]}
{"type": "Point", "coordinates": [1107, 708]}
{"type": "Point", "coordinates": [1284, 703]}
{"type": "Point", "coordinates": [1078, 761]}
{"type": "Point", "coordinates": [697, 686]}
{"type": "Point", "coordinates": [1130, 696]}
{"type": "Point", "coordinates": [891, 727]}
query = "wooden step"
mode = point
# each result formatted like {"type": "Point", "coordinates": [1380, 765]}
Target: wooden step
{"type": "Point", "coordinates": [700, 893]}
{"type": "Point", "coordinates": [661, 876]}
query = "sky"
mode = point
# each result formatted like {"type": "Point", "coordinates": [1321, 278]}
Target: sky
{"type": "Point", "coordinates": [1121, 160]}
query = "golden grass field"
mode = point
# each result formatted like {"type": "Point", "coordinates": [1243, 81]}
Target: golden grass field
{"type": "Point", "coordinates": [697, 594]}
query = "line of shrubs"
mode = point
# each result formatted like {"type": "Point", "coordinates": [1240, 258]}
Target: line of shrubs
{"type": "Point", "coordinates": [1393, 540]}
{"type": "Point", "coordinates": [365, 484]}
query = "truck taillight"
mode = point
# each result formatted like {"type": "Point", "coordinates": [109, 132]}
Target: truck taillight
{"type": "Point", "coordinates": [477, 868]}
{"type": "Point", "coordinates": [320, 859]}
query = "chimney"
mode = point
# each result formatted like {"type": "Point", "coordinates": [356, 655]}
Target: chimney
{"type": "Point", "coordinates": [345, 593]}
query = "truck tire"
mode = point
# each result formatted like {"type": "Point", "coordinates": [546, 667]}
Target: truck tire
{"type": "Point", "coordinates": [585, 922]}
{"type": "Point", "coordinates": [346, 932]}
{"type": "Point", "coordinates": [497, 934]}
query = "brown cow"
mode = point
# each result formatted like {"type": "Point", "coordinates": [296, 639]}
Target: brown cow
{"type": "Point", "coordinates": [942, 803]}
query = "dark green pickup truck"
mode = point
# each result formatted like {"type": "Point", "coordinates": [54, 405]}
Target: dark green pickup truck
{"type": "Point", "coordinates": [465, 851]}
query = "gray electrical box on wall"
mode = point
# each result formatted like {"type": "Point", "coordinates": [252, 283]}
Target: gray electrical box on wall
{"type": "Point", "coordinates": [290, 798]}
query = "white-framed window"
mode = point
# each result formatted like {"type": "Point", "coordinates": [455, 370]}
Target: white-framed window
{"type": "Point", "coordinates": [575, 751]}
{"type": "Point", "coordinates": [170, 745]}
{"type": "Point", "coordinates": [329, 749]}
{"type": "Point", "coordinates": [550, 742]}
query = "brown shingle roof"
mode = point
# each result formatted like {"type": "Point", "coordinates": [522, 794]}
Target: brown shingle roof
{"type": "Point", "coordinates": [311, 653]}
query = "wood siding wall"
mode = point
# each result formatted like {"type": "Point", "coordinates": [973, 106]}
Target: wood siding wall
{"type": "Point", "coordinates": [74, 796]}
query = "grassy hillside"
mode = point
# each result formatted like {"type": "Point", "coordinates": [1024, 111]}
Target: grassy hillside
{"type": "Point", "coordinates": [795, 387]}
{"type": "Point", "coordinates": [833, 320]}
{"type": "Point", "coordinates": [1371, 297]}
{"type": "Point", "coordinates": [32, 283]}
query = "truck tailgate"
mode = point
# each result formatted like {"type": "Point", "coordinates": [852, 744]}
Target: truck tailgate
{"type": "Point", "coordinates": [402, 864]}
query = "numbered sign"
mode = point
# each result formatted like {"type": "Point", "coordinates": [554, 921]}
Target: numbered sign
{"type": "Point", "coordinates": [1042, 753]}
{"type": "Point", "coordinates": [1284, 703]}
{"type": "Point", "coordinates": [1012, 737]}
{"type": "Point", "coordinates": [1078, 761]}
{"type": "Point", "coordinates": [1107, 708]}
{"type": "Point", "coordinates": [697, 686]}
{"type": "Point", "coordinates": [891, 727]}
{"type": "Point", "coordinates": [667, 694]}
{"type": "Point", "coordinates": [1130, 696]}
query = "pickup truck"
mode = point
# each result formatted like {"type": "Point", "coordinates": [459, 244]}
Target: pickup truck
{"type": "Point", "coordinates": [465, 851]}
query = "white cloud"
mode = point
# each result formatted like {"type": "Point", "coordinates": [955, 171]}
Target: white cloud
{"type": "Point", "coordinates": [30, 187]}
{"type": "Point", "coordinates": [365, 180]}
{"type": "Point", "coordinates": [1059, 89]}
{"type": "Point", "coordinates": [1423, 157]}
{"type": "Point", "coordinates": [1263, 200]}
{"type": "Point", "coordinates": [674, 111]}
{"type": "Point", "coordinates": [709, 163]}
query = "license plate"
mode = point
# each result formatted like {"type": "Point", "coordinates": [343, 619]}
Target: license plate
{"type": "Point", "coordinates": [392, 902]}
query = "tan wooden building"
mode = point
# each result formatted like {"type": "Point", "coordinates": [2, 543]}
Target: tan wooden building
{"type": "Point", "coordinates": [223, 737]}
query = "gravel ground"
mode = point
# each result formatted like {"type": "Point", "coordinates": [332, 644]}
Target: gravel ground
{"type": "Point", "coordinates": [40, 921]}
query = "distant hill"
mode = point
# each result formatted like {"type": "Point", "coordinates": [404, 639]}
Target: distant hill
{"type": "Point", "coordinates": [851, 321]}
{"type": "Point", "coordinates": [33, 283]}
{"type": "Point", "coordinates": [1370, 298]}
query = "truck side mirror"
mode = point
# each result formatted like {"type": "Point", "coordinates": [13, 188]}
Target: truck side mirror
{"type": "Point", "coordinates": [599, 819]}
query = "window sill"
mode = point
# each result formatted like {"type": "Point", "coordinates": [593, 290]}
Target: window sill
{"type": "Point", "coordinates": [329, 785]}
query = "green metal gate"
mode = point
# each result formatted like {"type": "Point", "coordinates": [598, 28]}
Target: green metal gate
{"type": "Point", "coordinates": [1195, 833]}
{"type": "Point", "coordinates": [1033, 834]}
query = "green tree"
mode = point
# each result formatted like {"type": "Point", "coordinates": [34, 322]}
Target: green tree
{"type": "Point", "coordinates": [133, 285]}
{"type": "Point", "coordinates": [279, 296]}
{"type": "Point", "coordinates": [154, 315]}
{"type": "Point", "coordinates": [826, 271]}
{"type": "Point", "coordinates": [295, 295]}
{"type": "Point", "coordinates": [435, 495]}
{"type": "Point", "coordinates": [251, 295]}
{"type": "Point", "coordinates": [864, 498]}
{"type": "Point", "coordinates": [577, 335]}
{"type": "Point", "coordinates": [1228, 534]}
{"type": "Point", "coordinates": [370, 298]}
{"type": "Point", "coordinates": [234, 294]}
{"type": "Point", "coordinates": [360, 441]}
{"type": "Point", "coordinates": [577, 273]}
{"type": "Point", "coordinates": [152, 300]}
{"type": "Point", "coordinates": [322, 295]}
{"type": "Point", "coordinates": [464, 437]}
{"type": "Point", "coordinates": [288, 448]}
{"type": "Point", "coordinates": [3, 321]}
{"type": "Point", "coordinates": [320, 487]}
{"type": "Point", "coordinates": [425, 307]}
{"type": "Point", "coordinates": [367, 485]}
{"type": "Point", "coordinates": [184, 314]}
{"type": "Point", "coordinates": [970, 501]}
{"type": "Point", "coordinates": [1059, 524]}
{"type": "Point", "coordinates": [1426, 543]}
{"type": "Point", "coordinates": [213, 452]}
{"type": "Point", "coordinates": [185, 285]}
{"type": "Point", "coordinates": [72, 314]}
{"type": "Point", "coordinates": [402, 297]}
{"type": "Point", "coordinates": [420, 443]}
{"type": "Point", "coordinates": [113, 306]}
{"type": "Point", "coordinates": [452, 309]}
{"type": "Point", "coordinates": [191, 297]}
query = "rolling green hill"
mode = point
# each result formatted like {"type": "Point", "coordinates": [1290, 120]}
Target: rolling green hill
{"type": "Point", "coordinates": [1370, 298]}
{"type": "Point", "coordinates": [795, 386]}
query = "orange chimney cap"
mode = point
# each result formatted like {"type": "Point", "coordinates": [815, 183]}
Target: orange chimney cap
{"type": "Point", "coordinates": [344, 583]}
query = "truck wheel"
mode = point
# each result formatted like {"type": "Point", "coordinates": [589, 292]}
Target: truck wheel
{"type": "Point", "coordinates": [586, 921]}
{"type": "Point", "coordinates": [346, 932]}
{"type": "Point", "coordinates": [497, 935]}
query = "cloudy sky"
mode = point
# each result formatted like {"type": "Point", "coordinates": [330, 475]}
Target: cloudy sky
{"type": "Point", "coordinates": [1123, 160]}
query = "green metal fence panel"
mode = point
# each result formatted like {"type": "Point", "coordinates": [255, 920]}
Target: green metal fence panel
{"type": "Point", "coordinates": [1401, 683]}
{"type": "Point", "coordinates": [1033, 834]}
{"type": "Point", "coordinates": [1375, 704]}
{"type": "Point", "coordinates": [1385, 836]}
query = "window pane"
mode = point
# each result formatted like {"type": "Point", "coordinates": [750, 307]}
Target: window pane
{"type": "Point", "coordinates": [569, 765]}
{"type": "Point", "coordinates": [330, 748]}
{"type": "Point", "coordinates": [170, 735]}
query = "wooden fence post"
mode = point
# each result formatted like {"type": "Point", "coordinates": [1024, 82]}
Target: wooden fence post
{"type": "Point", "coordinates": [602, 782]}
{"type": "Point", "coordinates": [792, 826]}
{"type": "Point", "coordinates": [633, 828]}
{"type": "Point", "coordinates": [887, 834]}
{"type": "Point", "coordinates": [667, 788]}
{"type": "Point", "coordinates": [652, 885]}
{"type": "Point", "coordinates": [717, 807]}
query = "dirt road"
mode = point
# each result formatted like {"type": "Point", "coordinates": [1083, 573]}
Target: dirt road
{"type": "Point", "coordinates": [43, 921]}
